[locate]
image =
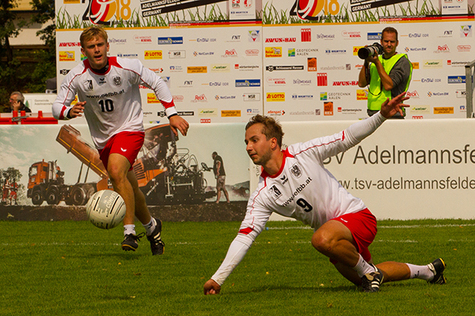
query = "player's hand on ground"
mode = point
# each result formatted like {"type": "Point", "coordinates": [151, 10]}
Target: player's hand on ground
{"type": "Point", "coordinates": [390, 107]}
{"type": "Point", "coordinates": [211, 287]}
{"type": "Point", "coordinates": [77, 110]}
{"type": "Point", "coordinates": [179, 123]}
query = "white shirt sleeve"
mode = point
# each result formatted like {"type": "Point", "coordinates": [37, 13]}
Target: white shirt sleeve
{"type": "Point", "coordinates": [328, 146]}
{"type": "Point", "coordinates": [159, 86]}
{"type": "Point", "coordinates": [66, 94]}
{"type": "Point", "coordinates": [356, 132]}
{"type": "Point", "coordinates": [236, 252]}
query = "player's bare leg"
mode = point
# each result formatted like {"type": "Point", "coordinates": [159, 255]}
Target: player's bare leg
{"type": "Point", "coordinates": [335, 240]}
{"type": "Point", "coordinates": [394, 271]}
{"type": "Point", "coordinates": [141, 210]}
{"type": "Point", "coordinates": [118, 167]}
{"type": "Point", "coordinates": [152, 225]}
{"type": "Point", "coordinates": [397, 271]}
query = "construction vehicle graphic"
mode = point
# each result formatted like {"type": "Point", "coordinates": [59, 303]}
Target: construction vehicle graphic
{"type": "Point", "coordinates": [166, 174]}
{"type": "Point", "coordinates": [46, 180]}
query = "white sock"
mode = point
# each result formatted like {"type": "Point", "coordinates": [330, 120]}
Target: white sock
{"type": "Point", "coordinates": [420, 272]}
{"type": "Point", "coordinates": [150, 226]}
{"type": "Point", "coordinates": [129, 229]}
{"type": "Point", "coordinates": [363, 267]}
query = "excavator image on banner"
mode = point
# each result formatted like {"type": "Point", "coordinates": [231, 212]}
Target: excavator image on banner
{"type": "Point", "coordinates": [166, 174]}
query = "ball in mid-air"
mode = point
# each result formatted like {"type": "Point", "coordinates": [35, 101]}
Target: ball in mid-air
{"type": "Point", "coordinates": [105, 209]}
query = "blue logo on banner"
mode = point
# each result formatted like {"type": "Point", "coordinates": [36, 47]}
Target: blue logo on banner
{"type": "Point", "coordinates": [248, 82]}
{"type": "Point", "coordinates": [374, 36]}
{"type": "Point", "coordinates": [456, 79]}
{"type": "Point", "coordinates": [170, 40]}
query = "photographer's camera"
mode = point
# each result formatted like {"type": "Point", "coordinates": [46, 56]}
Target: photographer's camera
{"type": "Point", "coordinates": [371, 50]}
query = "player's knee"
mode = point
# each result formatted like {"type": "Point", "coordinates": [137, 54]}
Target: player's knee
{"type": "Point", "coordinates": [116, 175]}
{"type": "Point", "coordinates": [321, 243]}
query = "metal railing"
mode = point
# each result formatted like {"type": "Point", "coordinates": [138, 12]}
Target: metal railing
{"type": "Point", "coordinates": [469, 71]}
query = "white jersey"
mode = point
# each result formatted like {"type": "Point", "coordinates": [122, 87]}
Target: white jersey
{"type": "Point", "coordinates": [113, 101]}
{"type": "Point", "coordinates": [302, 189]}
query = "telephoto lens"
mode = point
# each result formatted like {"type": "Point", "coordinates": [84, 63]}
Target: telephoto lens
{"type": "Point", "coordinates": [371, 50]}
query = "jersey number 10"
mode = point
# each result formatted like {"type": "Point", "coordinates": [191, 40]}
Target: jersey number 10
{"type": "Point", "coordinates": [106, 105]}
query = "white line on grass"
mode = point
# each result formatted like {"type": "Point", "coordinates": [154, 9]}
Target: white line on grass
{"type": "Point", "coordinates": [184, 243]}
{"type": "Point", "coordinates": [384, 226]}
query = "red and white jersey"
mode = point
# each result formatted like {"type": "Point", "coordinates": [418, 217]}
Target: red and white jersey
{"type": "Point", "coordinates": [302, 189]}
{"type": "Point", "coordinates": [113, 101]}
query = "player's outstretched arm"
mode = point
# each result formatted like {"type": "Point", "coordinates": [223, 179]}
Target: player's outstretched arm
{"type": "Point", "coordinates": [211, 287]}
{"type": "Point", "coordinates": [179, 123]}
{"type": "Point", "coordinates": [393, 106]}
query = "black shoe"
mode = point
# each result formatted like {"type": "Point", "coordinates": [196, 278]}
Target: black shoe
{"type": "Point", "coordinates": [372, 281]}
{"type": "Point", "coordinates": [437, 267]}
{"type": "Point", "coordinates": [156, 243]}
{"type": "Point", "coordinates": [130, 241]}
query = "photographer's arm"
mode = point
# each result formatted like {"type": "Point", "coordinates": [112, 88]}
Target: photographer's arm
{"type": "Point", "coordinates": [385, 79]}
{"type": "Point", "coordinates": [363, 79]}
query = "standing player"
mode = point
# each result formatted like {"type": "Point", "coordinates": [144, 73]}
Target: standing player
{"type": "Point", "coordinates": [109, 98]}
{"type": "Point", "coordinates": [295, 183]}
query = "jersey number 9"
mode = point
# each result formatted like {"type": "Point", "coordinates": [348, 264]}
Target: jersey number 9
{"type": "Point", "coordinates": [304, 205]}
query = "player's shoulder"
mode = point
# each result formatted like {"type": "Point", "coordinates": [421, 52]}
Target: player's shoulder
{"type": "Point", "coordinates": [294, 149]}
{"type": "Point", "coordinates": [126, 63]}
{"type": "Point", "coordinates": [76, 71]}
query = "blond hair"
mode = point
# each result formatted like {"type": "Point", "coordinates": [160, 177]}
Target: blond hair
{"type": "Point", "coordinates": [91, 33]}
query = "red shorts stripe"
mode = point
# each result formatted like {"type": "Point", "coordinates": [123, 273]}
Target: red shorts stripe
{"type": "Point", "coordinates": [127, 144]}
{"type": "Point", "coordinates": [363, 227]}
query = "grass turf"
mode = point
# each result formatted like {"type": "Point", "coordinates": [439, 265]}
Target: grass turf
{"type": "Point", "coordinates": [73, 268]}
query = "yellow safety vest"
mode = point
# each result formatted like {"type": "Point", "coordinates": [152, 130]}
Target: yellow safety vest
{"type": "Point", "coordinates": [376, 94]}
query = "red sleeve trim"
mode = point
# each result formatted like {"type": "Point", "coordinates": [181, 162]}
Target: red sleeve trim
{"type": "Point", "coordinates": [246, 231]}
{"type": "Point", "coordinates": [61, 116]}
{"type": "Point", "coordinates": [167, 104]}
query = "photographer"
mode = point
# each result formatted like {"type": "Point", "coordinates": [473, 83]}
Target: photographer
{"type": "Point", "coordinates": [387, 73]}
{"type": "Point", "coordinates": [17, 103]}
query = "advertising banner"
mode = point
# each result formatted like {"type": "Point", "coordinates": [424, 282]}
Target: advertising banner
{"type": "Point", "coordinates": [225, 72]}
{"type": "Point", "coordinates": [214, 73]}
{"type": "Point", "coordinates": [311, 70]}
{"type": "Point", "coordinates": [61, 167]}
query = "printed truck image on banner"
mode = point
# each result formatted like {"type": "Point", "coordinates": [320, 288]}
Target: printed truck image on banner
{"type": "Point", "coordinates": [63, 168]}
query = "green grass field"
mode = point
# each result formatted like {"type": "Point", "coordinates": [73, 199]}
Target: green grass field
{"type": "Point", "coordinates": [73, 268]}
